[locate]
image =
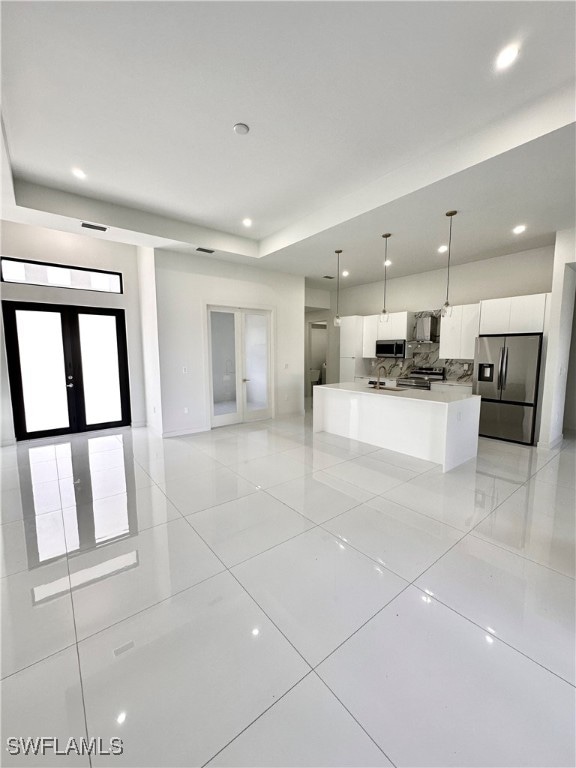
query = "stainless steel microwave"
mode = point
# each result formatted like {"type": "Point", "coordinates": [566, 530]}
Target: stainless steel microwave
{"type": "Point", "coordinates": [399, 348]}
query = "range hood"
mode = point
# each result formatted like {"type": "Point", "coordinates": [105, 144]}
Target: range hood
{"type": "Point", "coordinates": [427, 329]}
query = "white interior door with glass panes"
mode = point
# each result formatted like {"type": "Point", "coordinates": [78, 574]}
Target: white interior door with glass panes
{"type": "Point", "coordinates": [240, 365]}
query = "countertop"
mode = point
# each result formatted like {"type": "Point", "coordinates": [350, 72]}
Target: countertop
{"type": "Point", "coordinates": [423, 395]}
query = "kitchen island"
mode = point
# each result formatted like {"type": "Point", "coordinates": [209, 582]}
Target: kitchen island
{"type": "Point", "coordinates": [438, 426]}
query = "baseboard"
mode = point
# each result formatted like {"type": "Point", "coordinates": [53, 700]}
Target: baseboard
{"type": "Point", "coordinates": [552, 445]}
{"type": "Point", "coordinates": [184, 432]}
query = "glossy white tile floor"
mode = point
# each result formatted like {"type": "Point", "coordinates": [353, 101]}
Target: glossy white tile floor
{"type": "Point", "coordinates": [262, 596]}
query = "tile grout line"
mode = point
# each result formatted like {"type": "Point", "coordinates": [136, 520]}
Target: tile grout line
{"type": "Point", "coordinates": [412, 583]}
{"type": "Point", "coordinates": [310, 672]}
{"type": "Point", "coordinates": [38, 661]}
{"type": "Point", "coordinates": [229, 570]}
{"type": "Point", "coordinates": [471, 621]}
{"type": "Point", "coordinates": [315, 525]}
{"type": "Point", "coordinates": [354, 717]}
{"type": "Point", "coordinates": [148, 607]}
{"type": "Point", "coordinates": [76, 646]}
{"type": "Point", "coordinates": [497, 637]}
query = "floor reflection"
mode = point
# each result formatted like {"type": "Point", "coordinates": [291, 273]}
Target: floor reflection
{"type": "Point", "coordinates": [76, 495]}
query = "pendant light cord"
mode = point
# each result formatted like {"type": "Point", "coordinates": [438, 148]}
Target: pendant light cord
{"type": "Point", "coordinates": [385, 236]}
{"type": "Point", "coordinates": [338, 286]}
{"type": "Point", "coordinates": [385, 269]}
{"type": "Point", "coordinates": [449, 254]}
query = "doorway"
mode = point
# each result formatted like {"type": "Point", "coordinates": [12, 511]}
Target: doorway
{"type": "Point", "coordinates": [240, 365]}
{"type": "Point", "coordinates": [317, 351]}
{"type": "Point", "coordinates": [68, 368]}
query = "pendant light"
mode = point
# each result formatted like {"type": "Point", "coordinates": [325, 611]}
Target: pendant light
{"type": "Point", "coordinates": [384, 316]}
{"type": "Point", "coordinates": [447, 309]}
{"type": "Point", "coordinates": [337, 320]}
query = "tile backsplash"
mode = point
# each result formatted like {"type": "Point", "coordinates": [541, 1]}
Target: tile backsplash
{"type": "Point", "coordinates": [426, 355]}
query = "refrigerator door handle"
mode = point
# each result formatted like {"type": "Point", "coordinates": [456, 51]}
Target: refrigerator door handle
{"type": "Point", "coordinates": [505, 368]}
{"type": "Point", "coordinates": [500, 362]}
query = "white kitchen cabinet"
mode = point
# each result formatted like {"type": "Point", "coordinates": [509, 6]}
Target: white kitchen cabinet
{"type": "Point", "coordinates": [527, 313]}
{"type": "Point", "coordinates": [370, 335]}
{"type": "Point", "coordinates": [495, 315]}
{"type": "Point", "coordinates": [458, 332]}
{"type": "Point", "coordinates": [470, 330]}
{"type": "Point", "coordinates": [399, 325]}
{"type": "Point", "coordinates": [441, 386]}
{"type": "Point", "coordinates": [451, 334]}
{"type": "Point", "coordinates": [351, 330]}
{"type": "Point", "coordinates": [514, 314]}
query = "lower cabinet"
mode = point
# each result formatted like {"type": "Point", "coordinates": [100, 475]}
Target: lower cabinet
{"type": "Point", "coordinates": [463, 389]}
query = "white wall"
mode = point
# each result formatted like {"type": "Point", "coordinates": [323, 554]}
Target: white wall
{"type": "Point", "coordinates": [570, 406]}
{"type": "Point", "coordinates": [185, 285]}
{"type": "Point", "coordinates": [150, 351]}
{"type": "Point", "coordinates": [28, 242]}
{"type": "Point", "coordinates": [513, 275]}
{"type": "Point", "coordinates": [559, 337]}
{"type": "Point", "coordinates": [317, 298]}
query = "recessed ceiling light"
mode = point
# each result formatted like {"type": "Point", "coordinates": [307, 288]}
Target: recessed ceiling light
{"type": "Point", "coordinates": [247, 222]}
{"type": "Point", "coordinates": [507, 56]}
{"type": "Point", "coordinates": [241, 129]}
{"type": "Point", "coordinates": [79, 173]}
{"type": "Point", "coordinates": [121, 718]}
{"type": "Point", "coordinates": [519, 229]}
{"type": "Point", "coordinates": [387, 263]}
{"type": "Point", "coordinates": [443, 249]}
{"type": "Point", "coordinates": [345, 273]}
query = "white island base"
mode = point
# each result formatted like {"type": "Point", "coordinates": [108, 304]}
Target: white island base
{"type": "Point", "coordinates": [437, 426]}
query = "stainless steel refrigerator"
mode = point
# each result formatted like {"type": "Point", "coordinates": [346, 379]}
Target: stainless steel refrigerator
{"type": "Point", "coordinates": [506, 373]}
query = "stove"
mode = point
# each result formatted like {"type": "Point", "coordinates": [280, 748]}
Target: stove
{"type": "Point", "coordinates": [420, 378]}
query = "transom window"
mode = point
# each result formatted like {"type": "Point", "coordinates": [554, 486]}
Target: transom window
{"type": "Point", "coordinates": [60, 276]}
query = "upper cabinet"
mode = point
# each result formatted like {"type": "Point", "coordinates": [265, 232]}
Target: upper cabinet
{"type": "Point", "coordinates": [527, 313]}
{"type": "Point", "coordinates": [470, 331]}
{"type": "Point", "coordinates": [458, 332]}
{"type": "Point", "coordinates": [515, 314]}
{"type": "Point", "coordinates": [398, 325]}
{"type": "Point", "coordinates": [370, 335]}
{"type": "Point", "coordinates": [351, 332]}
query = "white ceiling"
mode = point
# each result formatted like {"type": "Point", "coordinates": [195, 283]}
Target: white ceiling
{"type": "Point", "coordinates": [531, 185]}
{"type": "Point", "coordinates": [143, 97]}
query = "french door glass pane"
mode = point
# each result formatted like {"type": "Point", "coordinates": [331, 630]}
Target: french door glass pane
{"type": "Point", "coordinates": [42, 368]}
{"type": "Point", "coordinates": [100, 373]}
{"type": "Point", "coordinates": [223, 336]}
{"type": "Point", "coordinates": [256, 352]}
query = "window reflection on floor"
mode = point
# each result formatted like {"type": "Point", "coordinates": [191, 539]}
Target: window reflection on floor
{"type": "Point", "coordinates": [76, 495]}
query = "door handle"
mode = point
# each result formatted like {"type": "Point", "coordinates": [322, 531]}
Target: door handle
{"type": "Point", "coordinates": [69, 386]}
{"type": "Point", "coordinates": [500, 361]}
{"type": "Point", "coordinates": [245, 380]}
{"type": "Point", "coordinates": [505, 369]}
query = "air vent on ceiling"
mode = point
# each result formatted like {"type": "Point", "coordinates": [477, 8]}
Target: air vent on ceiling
{"type": "Point", "coordinates": [98, 227]}
{"type": "Point", "coordinates": [328, 277]}
{"type": "Point", "coordinates": [204, 250]}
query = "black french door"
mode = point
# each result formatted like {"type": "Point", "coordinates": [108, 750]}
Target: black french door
{"type": "Point", "coordinates": [68, 368]}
